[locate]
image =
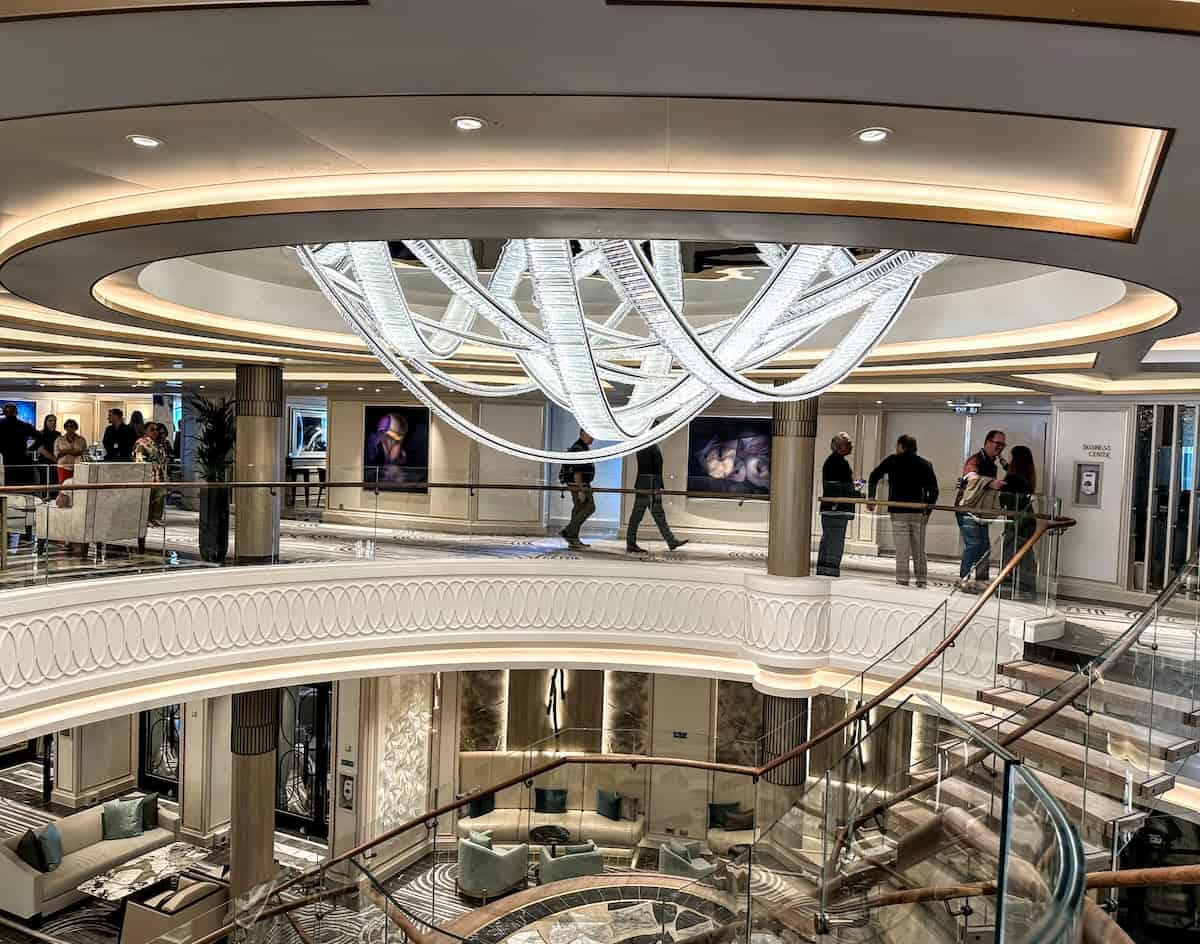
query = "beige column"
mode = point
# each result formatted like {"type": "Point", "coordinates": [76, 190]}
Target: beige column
{"type": "Point", "coordinates": [259, 395]}
{"type": "Point", "coordinates": [789, 534]}
{"type": "Point", "coordinates": [254, 730]}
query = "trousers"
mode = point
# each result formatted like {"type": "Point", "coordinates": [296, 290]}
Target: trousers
{"type": "Point", "coordinates": [833, 543]}
{"type": "Point", "coordinates": [908, 530]}
{"type": "Point", "coordinates": [583, 507]}
{"type": "Point", "coordinates": [977, 548]}
{"type": "Point", "coordinates": [643, 501]}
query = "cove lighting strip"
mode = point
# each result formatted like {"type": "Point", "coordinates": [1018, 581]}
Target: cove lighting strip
{"type": "Point", "coordinates": [627, 382]}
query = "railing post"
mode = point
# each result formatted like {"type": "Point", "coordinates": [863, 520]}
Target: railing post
{"type": "Point", "coordinates": [1006, 814]}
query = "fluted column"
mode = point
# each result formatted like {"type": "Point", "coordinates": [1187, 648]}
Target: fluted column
{"type": "Point", "coordinates": [789, 535]}
{"type": "Point", "coordinates": [785, 726]}
{"type": "Point", "coordinates": [259, 394]}
{"type": "Point", "coordinates": [254, 732]}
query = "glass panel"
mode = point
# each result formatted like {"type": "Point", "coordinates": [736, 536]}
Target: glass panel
{"type": "Point", "coordinates": [159, 754]}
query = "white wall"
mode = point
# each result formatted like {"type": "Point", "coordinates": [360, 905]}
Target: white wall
{"type": "Point", "coordinates": [1095, 548]}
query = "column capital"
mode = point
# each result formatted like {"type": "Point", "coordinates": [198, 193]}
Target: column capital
{"type": "Point", "coordinates": [258, 390]}
{"type": "Point", "coordinates": [255, 725]}
{"type": "Point", "coordinates": [795, 418]}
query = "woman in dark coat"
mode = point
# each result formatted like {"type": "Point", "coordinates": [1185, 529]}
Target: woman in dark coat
{"type": "Point", "coordinates": [1017, 495]}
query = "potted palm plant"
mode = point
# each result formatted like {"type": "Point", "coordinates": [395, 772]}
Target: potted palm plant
{"type": "Point", "coordinates": [216, 421]}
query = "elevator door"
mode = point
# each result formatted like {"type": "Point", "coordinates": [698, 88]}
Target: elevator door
{"type": "Point", "coordinates": [302, 759]}
{"type": "Point", "coordinates": [1164, 525]}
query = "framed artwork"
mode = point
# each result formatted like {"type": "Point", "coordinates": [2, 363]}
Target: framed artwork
{"type": "Point", "coordinates": [309, 432]}
{"type": "Point", "coordinates": [27, 411]}
{"type": "Point", "coordinates": [396, 445]}
{"type": "Point", "coordinates": [730, 454]}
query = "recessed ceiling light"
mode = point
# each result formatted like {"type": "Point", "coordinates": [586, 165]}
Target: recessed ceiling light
{"type": "Point", "coordinates": [1019, 402]}
{"type": "Point", "coordinates": [360, 388]}
{"type": "Point", "coordinates": [99, 385]}
{"type": "Point", "coordinates": [317, 387]}
{"type": "Point", "coordinates": [878, 401]}
{"type": "Point", "coordinates": [377, 390]}
{"type": "Point", "coordinates": [469, 123]}
{"type": "Point", "coordinates": [144, 140]}
{"type": "Point", "coordinates": [873, 135]}
{"type": "Point", "coordinates": [177, 365]}
{"type": "Point", "coordinates": [202, 386]}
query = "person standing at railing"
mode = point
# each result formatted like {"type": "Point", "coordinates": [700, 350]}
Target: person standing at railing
{"type": "Point", "coordinates": [910, 479]}
{"type": "Point", "coordinates": [43, 452]}
{"type": "Point", "coordinates": [68, 449]}
{"type": "Point", "coordinates": [118, 438]}
{"type": "Point", "coordinates": [15, 436]}
{"type": "Point", "coordinates": [837, 481]}
{"type": "Point", "coordinates": [649, 483]}
{"type": "Point", "coordinates": [1017, 495]}
{"type": "Point", "coordinates": [980, 474]}
{"type": "Point", "coordinates": [149, 450]}
{"type": "Point", "coordinates": [578, 476]}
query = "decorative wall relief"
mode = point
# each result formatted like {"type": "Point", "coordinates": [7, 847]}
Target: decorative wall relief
{"type": "Point", "coordinates": [404, 716]}
{"type": "Point", "coordinates": [484, 713]}
{"type": "Point", "coordinates": [739, 723]}
{"type": "Point", "coordinates": [627, 699]}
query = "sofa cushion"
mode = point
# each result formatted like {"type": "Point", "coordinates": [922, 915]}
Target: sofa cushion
{"type": "Point", "coordinates": [481, 806]}
{"type": "Point", "coordinates": [149, 809]}
{"type": "Point", "coordinates": [608, 804]}
{"type": "Point", "coordinates": [51, 846]}
{"type": "Point", "coordinates": [29, 850]}
{"type": "Point", "coordinates": [122, 819]}
{"type": "Point", "coordinates": [629, 807]}
{"type": "Point", "coordinates": [717, 813]}
{"type": "Point", "coordinates": [549, 801]}
{"type": "Point", "coordinates": [186, 896]}
{"type": "Point", "coordinates": [83, 864]}
{"type": "Point", "coordinates": [80, 830]}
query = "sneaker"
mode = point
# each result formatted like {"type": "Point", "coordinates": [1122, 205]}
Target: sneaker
{"type": "Point", "coordinates": [577, 545]}
{"type": "Point", "coordinates": [973, 587]}
{"type": "Point", "coordinates": [904, 583]}
{"type": "Point", "coordinates": [677, 545]}
{"type": "Point", "coordinates": [634, 549]}
{"type": "Point", "coordinates": [921, 584]}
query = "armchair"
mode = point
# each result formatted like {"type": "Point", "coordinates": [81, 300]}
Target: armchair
{"type": "Point", "coordinates": [572, 862]}
{"type": "Point", "coordinates": [102, 516]}
{"type": "Point", "coordinates": [684, 860]}
{"type": "Point", "coordinates": [486, 873]}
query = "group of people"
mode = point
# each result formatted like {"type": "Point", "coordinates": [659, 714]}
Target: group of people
{"type": "Point", "coordinates": [27, 451]}
{"type": "Point", "coordinates": [912, 490]}
{"type": "Point", "coordinates": [912, 482]}
{"type": "Point", "coordinates": [578, 477]}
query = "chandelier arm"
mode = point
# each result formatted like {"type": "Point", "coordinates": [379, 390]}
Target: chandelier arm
{"type": "Point", "coordinates": [565, 324]}
{"type": "Point", "coordinates": [459, 315]}
{"type": "Point", "coordinates": [458, 282]}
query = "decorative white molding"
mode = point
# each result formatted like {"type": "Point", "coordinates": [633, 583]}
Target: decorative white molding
{"type": "Point", "coordinates": [93, 649]}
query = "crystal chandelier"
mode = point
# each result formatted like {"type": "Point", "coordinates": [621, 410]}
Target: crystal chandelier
{"type": "Point", "coordinates": [640, 373]}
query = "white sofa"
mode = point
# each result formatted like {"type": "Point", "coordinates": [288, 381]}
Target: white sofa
{"type": "Point", "coordinates": [513, 817]}
{"type": "Point", "coordinates": [733, 788]}
{"type": "Point", "coordinates": [27, 893]}
{"type": "Point", "coordinates": [19, 512]}
{"type": "Point", "coordinates": [100, 516]}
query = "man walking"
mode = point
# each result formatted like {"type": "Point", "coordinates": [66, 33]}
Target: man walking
{"type": "Point", "coordinates": [979, 473]}
{"type": "Point", "coordinates": [837, 481]}
{"type": "Point", "coordinates": [910, 479]}
{"type": "Point", "coordinates": [578, 478]}
{"type": "Point", "coordinates": [118, 438]}
{"type": "Point", "coordinates": [649, 482]}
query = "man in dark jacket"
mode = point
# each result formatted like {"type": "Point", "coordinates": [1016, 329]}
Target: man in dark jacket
{"type": "Point", "coordinates": [649, 477]}
{"type": "Point", "coordinates": [15, 434]}
{"type": "Point", "coordinates": [910, 479]}
{"type": "Point", "coordinates": [118, 438]}
{"type": "Point", "coordinates": [837, 481]}
{"type": "Point", "coordinates": [578, 477]}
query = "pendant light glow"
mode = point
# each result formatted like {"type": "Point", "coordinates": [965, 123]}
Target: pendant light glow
{"type": "Point", "coordinates": [640, 373]}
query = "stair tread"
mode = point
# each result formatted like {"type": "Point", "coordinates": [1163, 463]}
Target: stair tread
{"type": "Point", "coordinates": [1109, 692]}
{"type": "Point", "coordinates": [1163, 745]}
{"type": "Point", "coordinates": [1101, 767]}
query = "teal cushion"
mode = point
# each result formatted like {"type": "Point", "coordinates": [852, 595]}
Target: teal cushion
{"type": "Point", "coordinates": [549, 801]}
{"type": "Point", "coordinates": [481, 806]}
{"type": "Point", "coordinates": [122, 819]}
{"type": "Point", "coordinates": [481, 838]}
{"type": "Point", "coordinates": [608, 804]}
{"type": "Point", "coordinates": [717, 813]}
{"type": "Point", "coordinates": [51, 846]}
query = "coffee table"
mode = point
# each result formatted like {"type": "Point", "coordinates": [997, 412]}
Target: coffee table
{"type": "Point", "coordinates": [120, 882]}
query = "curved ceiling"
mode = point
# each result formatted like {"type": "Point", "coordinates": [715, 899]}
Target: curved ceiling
{"type": "Point", "coordinates": [1018, 140]}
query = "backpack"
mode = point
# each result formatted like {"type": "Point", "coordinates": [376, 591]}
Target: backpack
{"type": "Point", "coordinates": [566, 474]}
